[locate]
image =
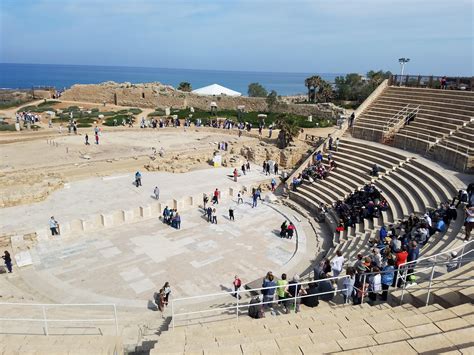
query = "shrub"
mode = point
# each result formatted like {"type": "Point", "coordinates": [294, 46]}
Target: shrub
{"type": "Point", "coordinates": [135, 111]}
{"type": "Point", "coordinates": [7, 127]}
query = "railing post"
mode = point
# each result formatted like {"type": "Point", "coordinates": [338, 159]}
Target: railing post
{"type": "Point", "coordinates": [296, 295]}
{"type": "Point", "coordinates": [404, 280]}
{"type": "Point", "coordinates": [431, 281]}
{"type": "Point", "coordinates": [172, 314]}
{"type": "Point", "coordinates": [363, 288]}
{"type": "Point", "coordinates": [45, 320]}
{"type": "Point", "coordinates": [237, 307]}
{"type": "Point", "coordinates": [116, 321]}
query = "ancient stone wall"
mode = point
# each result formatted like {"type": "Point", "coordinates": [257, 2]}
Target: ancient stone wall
{"type": "Point", "coordinates": [155, 95]}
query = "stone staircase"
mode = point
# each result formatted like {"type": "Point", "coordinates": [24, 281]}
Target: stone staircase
{"type": "Point", "coordinates": [445, 110]}
{"type": "Point", "coordinates": [331, 329]}
{"type": "Point", "coordinates": [408, 184]}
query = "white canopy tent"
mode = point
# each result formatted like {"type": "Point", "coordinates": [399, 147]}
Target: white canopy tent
{"type": "Point", "coordinates": [214, 90]}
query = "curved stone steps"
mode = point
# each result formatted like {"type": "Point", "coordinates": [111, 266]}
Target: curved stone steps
{"type": "Point", "coordinates": [399, 211]}
{"type": "Point", "coordinates": [445, 183]}
{"type": "Point", "coordinates": [364, 158]}
{"type": "Point", "coordinates": [346, 146]}
{"type": "Point", "coordinates": [401, 192]}
{"type": "Point", "coordinates": [422, 200]}
{"type": "Point", "coordinates": [431, 197]}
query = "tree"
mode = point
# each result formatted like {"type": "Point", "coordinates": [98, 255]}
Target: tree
{"type": "Point", "coordinates": [184, 86]}
{"type": "Point", "coordinates": [318, 89]}
{"type": "Point", "coordinates": [272, 100]}
{"type": "Point", "coordinates": [257, 90]}
{"type": "Point", "coordinates": [288, 130]}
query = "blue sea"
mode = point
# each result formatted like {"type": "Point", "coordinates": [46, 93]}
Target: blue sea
{"type": "Point", "coordinates": [24, 76]}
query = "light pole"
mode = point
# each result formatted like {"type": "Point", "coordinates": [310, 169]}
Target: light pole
{"type": "Point", "coordinates": [402, 62]}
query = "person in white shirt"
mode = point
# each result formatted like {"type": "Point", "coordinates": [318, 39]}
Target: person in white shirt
{"type": "Point", "coordinates": [337, 264]}
{"type": "Point", "coordinates": [53, 225]}
{"type": "Point", "coordinates": [156, 191]}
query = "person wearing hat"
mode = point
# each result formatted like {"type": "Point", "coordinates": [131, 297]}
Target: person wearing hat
{"type": "Point", "coordinates": [453, 263]}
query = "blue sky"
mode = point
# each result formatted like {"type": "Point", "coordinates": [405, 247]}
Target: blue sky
{"type": "Point", "coordinates": [330, 36]}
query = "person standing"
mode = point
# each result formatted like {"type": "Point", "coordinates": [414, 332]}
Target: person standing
{"type": "Point", "coordinates": [331, 140]}
{"type": "Point", "coordinates": [97, 138]}
{"type": "Point", "coordinates": [239, 198]}
{"type": "Point", "coordinates": [8, 261]}
{"type": "Point", "coordinates": [281, 291]}
{"type": "Point", "coordinates": [86, 139]}
{"type": "Point", "coordinates": [248, 166]}
{"type": "Point", "coordinates": [387, 278]}
{"type": "Point", "coordinates": [243, 169]}
{"type": "Point", "coordinates": [205, 200]}
{"type": "Point", "coordinates": [231, 213]}
{"type": "Point", "coordinates": [273, 184]}
{"type": "Point", "coordinates": [167, 292]}
{"type": "Point", "coordinates": [53, 225]}
{"type": "Point", "coordinates": [267, 169]}
{"type": "Point", "coordinates": [215, 199]}
{"type": "Point", "coordinates": [295, 291]}
{"type": "Point", "coordinates": [469, 222]}
{"type": "Point", "coordinates": [290, 230]}
{"type": "Point", "coordinates": [159, 298]}
{"type": "Point", "coordinates": [209, 214]}
{"type": "Point", "coordinates": [337, 264]}
{"type": "Point", "coordinates": [254, 199]}
{"type": "Point", "coordinates": [236, 174]}
{"type": "Point", "coordinates": [138, 179]}
{"type": "Point", "coordinates": [275, 168]}
{"type": "Point", "coordinates": [214, 216]}
{"type": "Point", "coordinates": [269, 286]}
{"type": "Point", "coordinates": [236, 283]}
{"type": "Point", "coordinates": [156, 191]}
{"type": "Point", "coordinates": [336, 144]}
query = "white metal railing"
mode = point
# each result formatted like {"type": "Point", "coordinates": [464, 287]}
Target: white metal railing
{"type": "Point", "coordinates": [429, 263]}
{"type": "Point", "coordinates": [238, 294]}
{"type": "Point", "coordinates": [45, 320]}
{"type": "Point", "coordinates": [400, 276]}
{"type": "Point", "coordinates": [398, 120]}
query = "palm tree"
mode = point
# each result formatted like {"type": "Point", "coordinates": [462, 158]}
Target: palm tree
{"type": "Point", "coordinates": [325, 91]}
{"type": "Point", "coordinates": [288, 130]}
{"type": "Point", "coordinates": [315, 86]}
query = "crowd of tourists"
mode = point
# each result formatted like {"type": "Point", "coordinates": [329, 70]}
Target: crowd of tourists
{"type": "Point", "coordinates": [172, 217]}
{"type": "Point", "coordinates": [26, 117]}
{"type": "Point", "coordinates": [367, 202]}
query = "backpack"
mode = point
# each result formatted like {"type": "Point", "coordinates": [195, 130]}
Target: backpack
{"type": "Point", "coordinates": [254, 309]}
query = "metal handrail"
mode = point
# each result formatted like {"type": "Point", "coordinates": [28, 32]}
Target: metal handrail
{"type": "Point", "coordinates": [240, 292]}
{"type": "Point", "coordinates": [45, 319]}
{"type": "Point", "coordinates": [398, 120]}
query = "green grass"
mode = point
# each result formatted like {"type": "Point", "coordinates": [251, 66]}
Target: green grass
{"type": "Point", "coordinates": [14, 103]}
{"type": "Point", "coordinates": [6, 127]}
{"type": "Point", "coordinates": [135, 111]}
{"type": "Point", "coordinates": [49, 103]}
{"type": "Point", "coordinates": [252, 117]}
{"type": "Point", "coordinates": [109, 121]}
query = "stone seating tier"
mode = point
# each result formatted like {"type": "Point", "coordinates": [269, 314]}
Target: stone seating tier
{"type": "Point", "coordinates": [447, 110]}
{"type": "Point", "coordinates": [326, 329]}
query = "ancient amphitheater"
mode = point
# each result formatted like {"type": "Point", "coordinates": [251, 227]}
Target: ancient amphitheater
{"type": "Point", "coordinates": [90, 290]}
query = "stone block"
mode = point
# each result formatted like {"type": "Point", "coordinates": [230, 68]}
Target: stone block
{"type": "Point", "coordinates": [145, 211]}
{"type": "Point", "coordinates": [401, 347]}
{"type": "Point", "coordinates": [64, 228]}
{"type": "Point", "coordinates": [107, 220]}
{"type": "Point", "coordinates": [76, 226]}
{"type": "Point", "coordinates": [118, 218]}
{"type": "Point", "coordinates": [357, 342]}
{"type": "Point", "coordinates": [432, 344]}
{"type": "Point", "coordinates": [177, 204]}
{"type": "Point", "coordinates": [128, 215]}
{"type": "Point", "coordinates": [155, 209]}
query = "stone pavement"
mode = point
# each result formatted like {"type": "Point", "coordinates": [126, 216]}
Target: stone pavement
{"type": "Point", "coordinates": [126, 264]}
{"type": "Point", "coordinates": [82, 199]}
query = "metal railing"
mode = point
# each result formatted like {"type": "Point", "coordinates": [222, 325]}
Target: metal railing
{"type": "Point", "coordinates": [400, 277]}
{"type": "Point", "coordinates": [238, 295]}
{"type": "Point", "coordinates": [433, 82]}
{"type": "Point", "coordinates": [45, 320]}
{"type": "Point", "coordinates": [400, 119]}
{"type": "Point", "coordinates": [428, 264]}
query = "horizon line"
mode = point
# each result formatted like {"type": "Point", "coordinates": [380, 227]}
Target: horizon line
{"type": "Point", "coordinates": [167, 68]}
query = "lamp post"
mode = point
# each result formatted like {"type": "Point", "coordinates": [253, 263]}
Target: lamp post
{"type": "Point", "coordinates": [402, 62]}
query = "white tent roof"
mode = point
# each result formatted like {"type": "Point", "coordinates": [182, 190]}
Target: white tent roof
{"type": "Point", "coordinates": [216, 89]}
